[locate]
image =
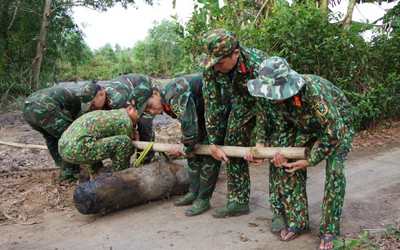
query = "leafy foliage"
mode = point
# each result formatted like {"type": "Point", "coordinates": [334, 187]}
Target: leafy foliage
{"type": "Point", "coordinates": [310, 39]}
{"type": "Point", "coordinates": [313, 42]}
{"type": "Point", "coordinates": [390, 239]}
{"type": "Point", "coordinates": [160, 53]}
{"type": "Point", "coordinates": [20, 33]}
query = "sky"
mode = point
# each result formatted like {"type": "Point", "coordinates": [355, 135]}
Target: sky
{"type": "Point", "coordinates": [366, 12]}
{"type": "Point", "coordinates": [127, 26]}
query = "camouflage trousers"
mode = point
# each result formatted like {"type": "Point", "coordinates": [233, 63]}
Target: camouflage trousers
{"type": "Point", "coordinates": [51, 122]}
{"type": "Point", "coordinates": [239, 132]}
{"type": "Point", "coordinates": [203, 175]}
{"type": "Point", "coordinates": [204, 170]}
{"type": "Point", "coordinates": [146, 133]}
{"type": "Point", "coordinates": [288, 191]}
{"type": "Point", "coordinates": [90, 150]}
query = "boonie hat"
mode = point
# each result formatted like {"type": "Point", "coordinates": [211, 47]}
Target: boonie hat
{"type": "Point", "coordinates": [86, 93]}
{"type": "Point", "coordinates": [141, 95]}
{"type": "Point", "coordinates": [217, 44]}
{"type": "Point", "coordinates": [276, 81]}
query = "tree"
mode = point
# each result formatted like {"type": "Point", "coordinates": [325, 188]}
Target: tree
{"type": "Point", "coordinates": [161, 52]}
{"type": "Point", "coordinates": [52, 6]}
{"type": "Point", "coordinates": [37, 61]}
{"type": "Point", "coordinates": [303, 33]}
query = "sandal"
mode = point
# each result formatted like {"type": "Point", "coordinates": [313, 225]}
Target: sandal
{"type": "Point", "coordinates": [296, 232]}
{"type": "Point", "coordinates": [326, 239]}
{"type": "Point", "coordinates": [278, 223]}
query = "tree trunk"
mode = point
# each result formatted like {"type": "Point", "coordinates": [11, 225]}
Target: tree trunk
{"type": "Point", "coordinates": [5, 37]}
{"type": "Point", "coordinates": [41, 46]}
{"type": "Point", "coordinates": [240, 9]}
{"type": "Point", "coordinates": [349, 14]}
{"type": "Point", "coordinates": [131, 187]}
{"type": "Point", "coordinates": [324, 5]}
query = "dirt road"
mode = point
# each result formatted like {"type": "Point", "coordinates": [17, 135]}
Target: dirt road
{"type": "Point", "coordinates": [372, 202]}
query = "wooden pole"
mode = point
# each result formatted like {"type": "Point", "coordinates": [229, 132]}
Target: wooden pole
{"type": "Point", "coordinates": [21, 145]}
{"type": "Point", "coordinates": [258, 152]}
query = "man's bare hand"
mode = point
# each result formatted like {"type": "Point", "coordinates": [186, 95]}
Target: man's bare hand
{"type": "Point", "coordinates": [279, 159]}
{"type": "Point", "coordinates": [134, 135]}
{"type": "Point", "coordinates": [189, 156]}
{"type": "Point", "coordinates": [297, 165]}
{"type": "Point", "coordinates": [218, 153]}
{"type": "Point", "coordinates": [175, 152]}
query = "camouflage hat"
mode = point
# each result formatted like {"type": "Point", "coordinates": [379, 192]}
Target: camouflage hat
{"type": "Point", "coordinates": [86, 93]}
{"type": "Point", "coordinates": [217, 44]}
{"type": "Point", "coordinates": [276, 80]}
{"type": "Point", "coordinates": [141, 95]}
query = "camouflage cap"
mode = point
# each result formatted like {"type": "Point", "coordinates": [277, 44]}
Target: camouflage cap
{"type": "Point", "coordinates": [217, 44]}
{"type": "Point", "coordinates": [141, 95]}
{"type": "Point", "coordinates": [276, 81]}
{"type": "Point", "coordinates": [86, 93]}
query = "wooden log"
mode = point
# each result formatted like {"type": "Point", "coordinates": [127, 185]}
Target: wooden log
{"type": "Point", "coordinates": [258, 152]}
{"type": "Point", "coordinates": [133, 186]}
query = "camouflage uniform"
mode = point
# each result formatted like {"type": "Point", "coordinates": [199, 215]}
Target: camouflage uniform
{"type": "Point", "coordinates": [314, 110]}
{"type": "Point", "coordinates": [51, 111]}
{"type": "Point", "coordinates": [96, 136]}
{"type": "Point", "coordinates": [183, 99]}
{"type": "Point", "coordinates": [117, 94]}
{"type": "Point", "coordinates": [244, 117]}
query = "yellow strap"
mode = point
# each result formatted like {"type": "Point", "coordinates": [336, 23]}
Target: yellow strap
{"type": "Point", "coordinates": [142, 154]}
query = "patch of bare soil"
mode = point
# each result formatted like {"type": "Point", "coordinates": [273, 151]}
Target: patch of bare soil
{"type": "Point", "coordinates": [385, 135]}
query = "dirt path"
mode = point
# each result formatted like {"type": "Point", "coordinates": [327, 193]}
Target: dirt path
{"type": "Point", "coordinates": [36, 211]}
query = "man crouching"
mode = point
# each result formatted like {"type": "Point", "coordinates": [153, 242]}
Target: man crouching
{"type": "Point", "coordinates": [99, 135]}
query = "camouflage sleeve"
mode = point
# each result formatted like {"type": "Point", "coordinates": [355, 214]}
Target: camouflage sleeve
{"type": "Point", "coordinates": [214, 106]}
{"type": "Point", "coordinates": [254, 58]}
{"type": "Point", "coordinates": [184, 108]}
{"type": "Point", "coordinates": [333, 129]}
{"type": "Point", "coordinates": [264, 114]}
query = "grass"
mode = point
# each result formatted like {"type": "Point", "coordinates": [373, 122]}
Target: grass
{"type": "Point", "coordinates": [372, 239]}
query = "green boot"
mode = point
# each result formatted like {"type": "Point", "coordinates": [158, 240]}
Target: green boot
{"type": "Point", "coordinates": [199, 206]}
{"type": "Point", "coordinates": [68, 172]}
{"type": "Point", "coordinates": [278, 223]}
{"type": "Point", "coordinates": [187, 199]}
{"type": "Point", "coordinates": [231, 209]}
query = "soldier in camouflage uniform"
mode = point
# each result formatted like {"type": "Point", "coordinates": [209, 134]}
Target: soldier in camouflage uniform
{"type": "Point", "coordinates": [99, 135]}
{"type": "Point", "coordinates": [227, 65]}
{"type": "Point", "coordinates": [182, 99]}
{"type": "Point", "coordinates": [51, 111]}
{"type": "Point", "coordinates": [116, 94]}
{"type": "Point", "coordinates": [310, 109]}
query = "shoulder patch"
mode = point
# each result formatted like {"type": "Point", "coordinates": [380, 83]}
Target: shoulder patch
{"type": "Point", "coordinates": [177, 110]}
{"type": "Point", "coordinates": [321, 108]}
